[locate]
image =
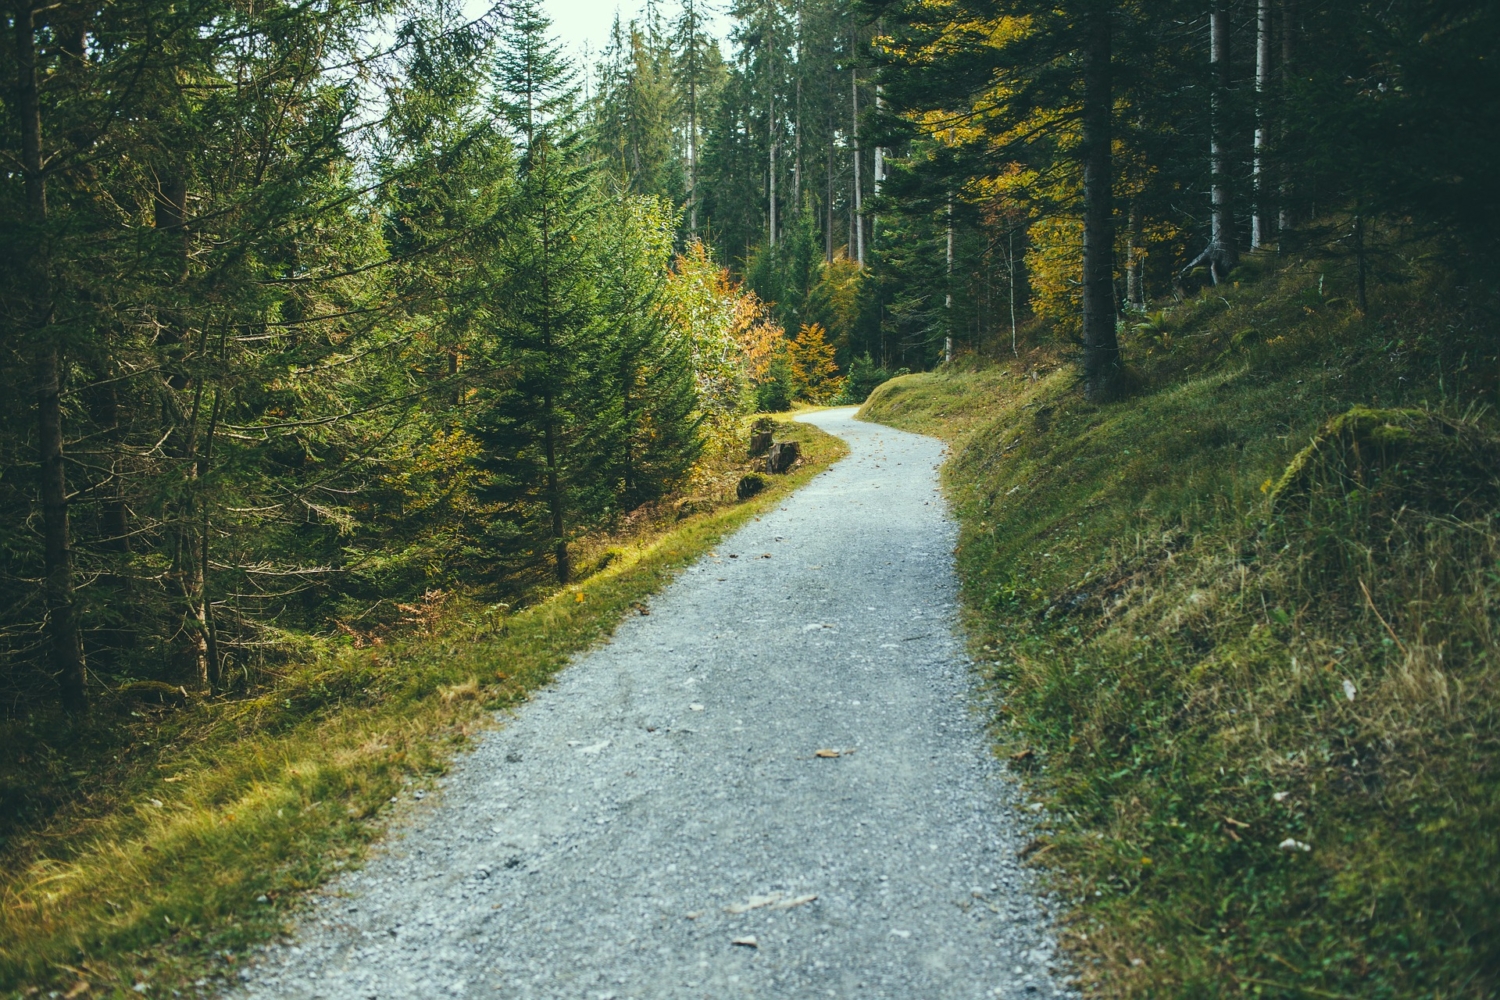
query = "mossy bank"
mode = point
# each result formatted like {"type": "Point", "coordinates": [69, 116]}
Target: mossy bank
{"type": "Point", "coordinates": [1241, 626]}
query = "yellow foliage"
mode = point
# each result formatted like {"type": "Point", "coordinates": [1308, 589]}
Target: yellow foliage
{"type": "Point", "coordinates": [813, 364]}
{"type": "Point", "coordinates": [1055, 267]}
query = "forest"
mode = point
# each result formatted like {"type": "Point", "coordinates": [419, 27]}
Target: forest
{"type": "Point", "coordinates": [313, 308]}
{"type": "Point", "coordinates": [319, 314]}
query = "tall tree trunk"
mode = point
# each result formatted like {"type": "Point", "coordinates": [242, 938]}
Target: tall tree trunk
{"type": "Point", "coordinates": [693, 156]}
{"type": "Point", "coordinates": [859, 222]}
{"type": "Point", "coordinates": [1288, 40]}
{"type": "Point", "coordinates": [1101, 349]}
{"type": "Point", "coordinates": [948, 289]}
{"type": "Point", "coordinates": [771, 137]}
{"type": "Point", "coordinates": [1225, 243]}
{"type": "Point", "coordinates": [828, 204]}
{"type": "Point", "coordinates": [65, 648]}
{"type": "Point", "coordinates": [1260, 226]}
{"type": "Point", "coordinates": [561, 563]}
{"type": "Point", "coordinates": [1010, 264]}
{"type": "Point", "coordinates": [1135, 267]}
{"type": "Point", "coordinates": [797, 153]}
{"type": "Point", "coordinates": [554, 491]}
{"type": "Point", "coordinates": [211, 673]}
{"type": "Point", "coordinates": [879, 170]}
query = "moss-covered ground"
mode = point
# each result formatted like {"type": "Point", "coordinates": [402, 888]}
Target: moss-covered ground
{"type": "Point", "coordinates": [1243, 635]}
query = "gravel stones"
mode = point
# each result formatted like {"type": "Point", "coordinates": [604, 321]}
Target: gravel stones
{"type": "Point", "coordinates": [664, 799]}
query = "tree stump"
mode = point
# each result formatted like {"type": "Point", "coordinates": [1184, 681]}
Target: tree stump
{"type": "Point", "coordinates": [782, 456]}
{"type": "Point", "coordinates": [760, 443]}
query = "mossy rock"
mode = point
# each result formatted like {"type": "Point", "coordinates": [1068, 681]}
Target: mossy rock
{"type": "Point", "coordinates": [1397, 458]}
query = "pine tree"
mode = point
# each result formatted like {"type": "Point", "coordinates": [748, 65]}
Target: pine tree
{"type": "Point", "coordinates": [648, 366]}
{"type": "Point", "coordinates": [538, 420]}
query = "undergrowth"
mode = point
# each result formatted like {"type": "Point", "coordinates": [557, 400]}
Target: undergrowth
{"type": "Point", "coordinates": [148, 845]}
{"type": "Point", "coordinates": [1242, 625]}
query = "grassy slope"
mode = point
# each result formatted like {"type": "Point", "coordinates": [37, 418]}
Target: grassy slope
{"type": "Point", "coordinates": [1171, 648]}
{"type": "Point", "coordinates": [156, 879]}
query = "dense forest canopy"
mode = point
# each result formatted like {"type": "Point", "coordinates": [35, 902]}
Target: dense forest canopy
{"type": "Point", "coordinates": [311, 308]}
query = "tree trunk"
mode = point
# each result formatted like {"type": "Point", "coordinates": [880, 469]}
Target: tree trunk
{"type": "Point", "coordinates": [859, 222]}
{"type": "Point", "coordinates": [878, 174]}
{"type": "Point", "coordinates": [828, 201]}
{"type": "Point", "coordinates": [1010, 264]}
{"type": "Point", "coordinates": [771, 141]}
{"type": "Point", "coordinates": [797, 153]}
{"type": "Point", "coordinates": [1135, 267]}
{"type": "Point", "coordinates": [554, 494]}
{"type": "Point", "coordinates": [690, 11]}
{"type": "Point", "coordinates": [1288, 37]}
{"type": "Point", "coordinates": [948, 290]}
{"type": "Point", "coordinates": [65, 648]}
{"type": "Point", "coordinates": [1260, 226]}
{"type": "Point", "coordinates": [211, 674]}
{"type": "Point", "coordinates": [1224, 243]}
{"type": "Point", "coordinates": [1101, 349]}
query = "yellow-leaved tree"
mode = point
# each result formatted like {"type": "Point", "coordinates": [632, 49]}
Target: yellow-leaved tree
{"type": "Point", "coordinates": [813, 364]}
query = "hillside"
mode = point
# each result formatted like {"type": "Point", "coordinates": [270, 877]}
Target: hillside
{"type": "Point", "coordinates": [1240, 629]}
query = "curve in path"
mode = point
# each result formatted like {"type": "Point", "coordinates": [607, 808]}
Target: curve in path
{"type": "Point", "coordinates": [664, 798]}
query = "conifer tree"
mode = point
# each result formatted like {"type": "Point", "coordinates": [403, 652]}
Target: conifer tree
{"type": "Point", "coordinates": [537, 421]}
{"type": "Point", "coordinates": [648, 366]}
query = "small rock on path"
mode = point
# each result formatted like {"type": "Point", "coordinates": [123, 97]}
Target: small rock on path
{"type": "Point", "coordinates": [659, 823]}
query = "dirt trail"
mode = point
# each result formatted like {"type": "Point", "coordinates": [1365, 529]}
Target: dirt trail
{"type": "Point", "coordinates": [665, 798]}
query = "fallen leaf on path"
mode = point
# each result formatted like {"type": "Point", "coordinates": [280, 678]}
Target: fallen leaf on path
{"type": "Point", "coordinates": [748, 941]}
{"type": "Point", "coordinates": [694, 915]}
{"type": "Point", "coordinates": [787, 904]}
{"type": "Point", "coordinates": [696, 707]}
{"type": "Point", "coordinates": [826, 753]}
{"type": "Point", "coordinates": [595, 748]}
{"type": "Point", "coordinates": [754, 903]}
{"type": "Point", "coordinates": [79, 989]}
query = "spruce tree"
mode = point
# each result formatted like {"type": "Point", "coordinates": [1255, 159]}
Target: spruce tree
{"type": "Point", "coordinates": [648, 366]}
{"type": "Point", "coordinates": [539, 420]}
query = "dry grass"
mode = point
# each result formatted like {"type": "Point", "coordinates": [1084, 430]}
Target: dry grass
{"type": "Point", "coordinates": [1205, 673]}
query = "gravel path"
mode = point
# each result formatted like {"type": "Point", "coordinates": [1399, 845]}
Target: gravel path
{"type": "Point", "coordinates": [658, 822]}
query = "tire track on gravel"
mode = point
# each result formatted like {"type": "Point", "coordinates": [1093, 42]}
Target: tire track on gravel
{"type": "Point", "coordinates": [663, 798]}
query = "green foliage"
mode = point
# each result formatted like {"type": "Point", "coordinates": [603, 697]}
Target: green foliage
{"type": "Point", "coordinates": [864, 377]}
{"type": "Point", "coordinates": [776, 392]}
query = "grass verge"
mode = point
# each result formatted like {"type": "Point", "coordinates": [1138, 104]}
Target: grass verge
{"type": "Point", "coordinates": [1242, 626]}
{"type": "Point", "coordinates": [195, 830]}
